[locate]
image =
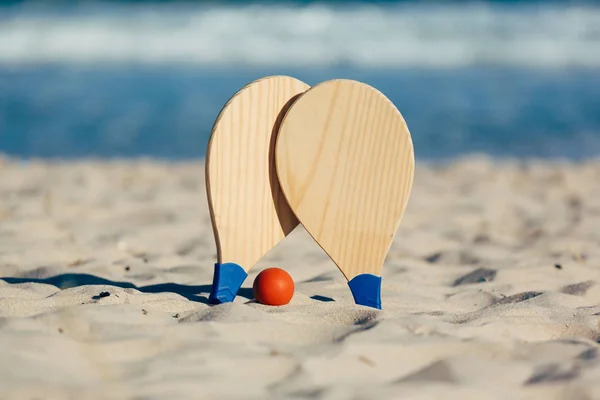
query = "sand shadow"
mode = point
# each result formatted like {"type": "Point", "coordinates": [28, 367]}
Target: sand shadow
{"type": "Point", "coordinates": [323, 299]}
{"type": "Point", "coordinates": [197, 293]}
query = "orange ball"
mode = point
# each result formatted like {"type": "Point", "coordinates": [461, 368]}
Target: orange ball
{"type": "Point", "coordinates": [273, 287]}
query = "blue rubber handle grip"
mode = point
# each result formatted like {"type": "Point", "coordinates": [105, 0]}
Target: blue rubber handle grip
{"type": "Point", "coordinates": [227, 280]}
{"type": "Point", "coordinates": [366, 290]}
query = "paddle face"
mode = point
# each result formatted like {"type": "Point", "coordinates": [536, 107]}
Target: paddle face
{"type": "Point", "coordinates": [345, 161]}
{"type": "Point", "coordinates": [248, 211]}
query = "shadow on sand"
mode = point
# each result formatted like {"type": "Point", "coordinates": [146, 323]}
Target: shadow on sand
{"type": "Point", "coordinates": [197, 293]}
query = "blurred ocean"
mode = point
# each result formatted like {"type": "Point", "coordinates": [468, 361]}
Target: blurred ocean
{"type": "Point", "coordinates": [148, 79]}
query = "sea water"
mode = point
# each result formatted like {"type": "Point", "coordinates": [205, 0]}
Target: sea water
{"type": "Point", "coordinates": [124, 79]}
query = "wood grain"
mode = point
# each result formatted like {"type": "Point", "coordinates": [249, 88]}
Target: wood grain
{"type": "Point", "coordinates": [248, 211]}
{"type": "Point", "coordinates": [345, 161]}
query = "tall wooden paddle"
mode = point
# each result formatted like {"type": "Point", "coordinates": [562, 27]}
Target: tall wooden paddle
{"type": "Point", "coordinates": [249, 213]}
{"type": "Point", "coordinates": [345, 161]}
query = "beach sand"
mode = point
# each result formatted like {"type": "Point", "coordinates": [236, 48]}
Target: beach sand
{"type": "Point", "coordinates": [490, 291]}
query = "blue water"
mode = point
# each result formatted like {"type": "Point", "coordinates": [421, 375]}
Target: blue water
{"type": "Point", "coordinates": [121, 80]}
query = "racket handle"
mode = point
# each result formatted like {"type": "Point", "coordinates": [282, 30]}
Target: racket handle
{"type": "Point", "coordinates": [366, 290]}
{"type": "Point", "coordinates": [227, 280]}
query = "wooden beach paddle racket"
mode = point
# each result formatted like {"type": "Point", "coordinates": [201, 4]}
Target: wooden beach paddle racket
{"type": "Point", "coordinates": [249, 213]}
{"type": "Point", "coordinates": [345, 162]}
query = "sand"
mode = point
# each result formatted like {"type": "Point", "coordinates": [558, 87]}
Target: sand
{"type": "Point", "coordinates": [490, 291]}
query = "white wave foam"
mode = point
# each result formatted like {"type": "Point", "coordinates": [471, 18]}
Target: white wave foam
{"type": "Point", "coordinates": [366, 36]}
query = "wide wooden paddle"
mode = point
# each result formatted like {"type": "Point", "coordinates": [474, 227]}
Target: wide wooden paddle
{"type": "Point", "coordinates": [249, 213]}
{"type": "Point", "coordinates": [345, 162]}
